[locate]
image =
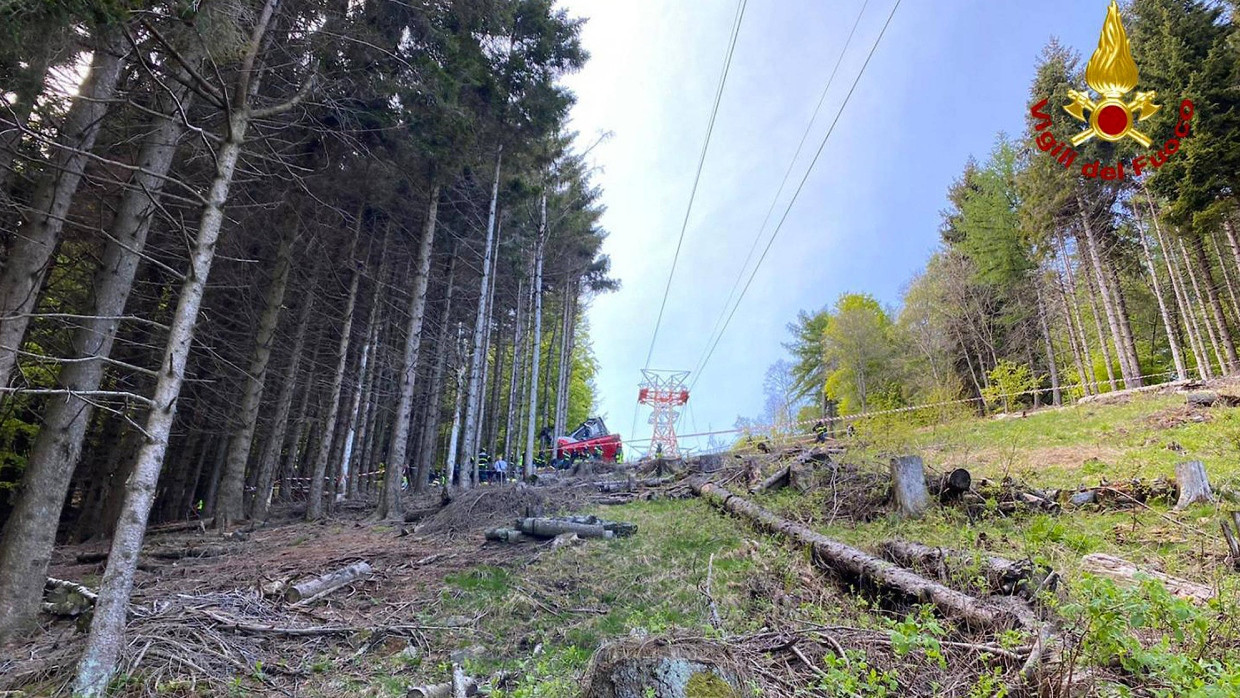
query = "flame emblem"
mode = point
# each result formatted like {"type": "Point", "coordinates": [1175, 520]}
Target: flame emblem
{"type": "Point", "coordinates": [1112, 73]}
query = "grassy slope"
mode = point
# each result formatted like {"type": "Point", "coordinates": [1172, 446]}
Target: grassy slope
{"type": "Point", "coordinates": [542, 619]}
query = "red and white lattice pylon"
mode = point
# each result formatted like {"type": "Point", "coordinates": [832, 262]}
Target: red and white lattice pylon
{"type": "Point", "coordinates": [664, 391]}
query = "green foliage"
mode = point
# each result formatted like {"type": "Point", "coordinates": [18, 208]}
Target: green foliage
{"type": "Point", "coordinates": [1009, 382]}
{"type": "Point", "coordinates": [850, 676]}
{"type": "Point", "coordinates": [1167, 643]}
{"type": "Point", "coordinates": [859, 348]}
{"type": "Point", "coordinates": [581, 389]}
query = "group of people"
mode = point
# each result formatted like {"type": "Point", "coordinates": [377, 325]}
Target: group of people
{"type": "Point", "coordinates": [497, 471]}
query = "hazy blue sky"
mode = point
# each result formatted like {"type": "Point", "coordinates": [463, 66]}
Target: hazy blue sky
{"type": "Point", "coordinates": [948, 76]}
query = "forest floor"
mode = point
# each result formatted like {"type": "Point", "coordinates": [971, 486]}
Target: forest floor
{"type": "Point", "coordinates": [527, 618]}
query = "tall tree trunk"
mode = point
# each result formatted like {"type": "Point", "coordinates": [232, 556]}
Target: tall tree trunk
{"type": "Point", "coordinates": [1077, 354]}
{"type": "Point", "coordinates": [510, 412]}
{"type": "Point", "coordinates": [362, 479]}
{"type": "Point", "coordinates": [1199, 304]}
{"type": "Point", "coordinates": [454, 437]}
{"type": "Point", "coordinates": [561, 374]}
{"type": "Point", "coordinates": [389, 504]}
{"type": "Point", "coordinates": [1227, 277]}
{"type": "Point", "coordinates": [301, 432]}
{"type": "Point", "coordinates": [1181, 370]}
{"type": "Point", "coordinates": [37, 238]}
{"type": "Point", "coordinates": [476, 356]}
{"type": "Point", "coordinates": [347, 484]}
{"type": "Point", "coordinates": [1072, 305]}
{"type": "Point", "coordinates": [501, 360]}
{"type": "Point", "coordinates": [430, 430]}
{"type": "Point", "coordinates": [318, 473]}
{"type": "Point", "coordinates": [107, 628]}
{"type": "Point", "coordinates": [31, 528]}
{"type": "Point", "coordinates": [1107, 297]}
{"type": "Point", "coordinates": [1056, 397]}
{"type": "Point", "coordinates": [231, 505]}
{"type": "Point", "coordinates": [1216, 304]}
{"type": "Point", "coordinates": [1180, 291]}
{"type": "Point", "coordinates": [1092, 290]}
{"type": "Point", "coordinates": [537, 340]}
{"type": "Point", "coordinates": [476, 447]}
{"type": "Point", "coordinates": [1229, 229]}
{"type": "Point", "coordinates": [261, 502]}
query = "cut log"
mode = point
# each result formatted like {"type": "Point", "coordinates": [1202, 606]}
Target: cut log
{"type": "Point", "coordinates": [856, 564]}
{"type": "Point", "coordinates": [908, 477]}
{"type": "Point", "coordinates": [506, 535]}
{"type": "Point", "coordinates": [1126, 573]}
{"type": "Point", "coordinates": [1003, 576]}
{"type": "Point", "coordinates": [308, 591]}
{"type": "Point", "coordinates": [778, 479]}
{"type": "Point", "coordinates": [550, 528]}
{"type": "Point", "coordinates": [1035, 501]}
{"type": "Point", "coordinates": [954, 484]}
{"type": "Point", "coordinates": [619, 529]}
{"type": "Point", "coordinates": [1083, 498]}
{"type": "Point", "coordinates": [1193, 482]}
{"type": "Point", "coordinates": [442, 690]}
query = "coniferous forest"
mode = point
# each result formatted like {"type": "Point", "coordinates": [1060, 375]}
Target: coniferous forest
{"type": "Point", "coordinates": [282, 282]}
{"type": "Point", "coordinates": [259, 251]}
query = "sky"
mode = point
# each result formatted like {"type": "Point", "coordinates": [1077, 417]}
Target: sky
{"type": "Point", "coordinates": [947, 77]}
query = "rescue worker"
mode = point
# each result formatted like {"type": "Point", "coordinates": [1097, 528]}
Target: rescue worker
{"type": "Point", "coordinates": [619, 454]}
{"type": "Point", "coordinates": [484, 466]}
{"type": "Point", "coordinates": [598, 453]}
{"type": "Point", "coordinates": [822, 430]}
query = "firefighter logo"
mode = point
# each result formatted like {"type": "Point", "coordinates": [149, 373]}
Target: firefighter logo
{"type": "Point", "coordinates": [1111, 73]}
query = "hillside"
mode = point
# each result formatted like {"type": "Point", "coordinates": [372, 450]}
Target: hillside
{"type": "Point", "coordinates": [525, 619]}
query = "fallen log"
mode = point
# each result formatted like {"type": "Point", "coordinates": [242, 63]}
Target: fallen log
{"type": "Point", "coordinates": [179, 526]}
{"type": "Point", "coordinates": [908, 478]}
{"type": "Point", "coordinates": [550, 528]}
{"type": "Point", "coordinates": [1003, 576]}
{"type": "Point", "coordinates": [778, 479]}
{"type": "Point", "coordinates": [857, 564]}
{"type": "Point", "coordinates": [182, 553]}
{"type": "Point", "coordinates": [419, 514]}
{"type": "Point", "coordinates": [619, 529]}
{"type": "Point", "coordinates": [314, 589]}
{"type": "Point", "coordinates": [505, 535]}
{"type": "Point", "coordinates": [66, 598]}
{"type": "Point", "coordinates": [1126, 573]}
{"type": "Point", "coordinates": [1193, 482]}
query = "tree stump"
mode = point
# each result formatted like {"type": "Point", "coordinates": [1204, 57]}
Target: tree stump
{"type": "Point", "coordinates": [1202, 398]}
{"type": "Point", "coordinates": [908, 478]}
{"type": "Point", "coordinates": [656, 669]}
{"type": "Point", "coordinates": [1193, 482]}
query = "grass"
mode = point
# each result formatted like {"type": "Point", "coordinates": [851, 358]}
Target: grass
{"type": "Point", "coordinates": [544, 620]}
{"type": "Point", "coordinates": [1144, 437]}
